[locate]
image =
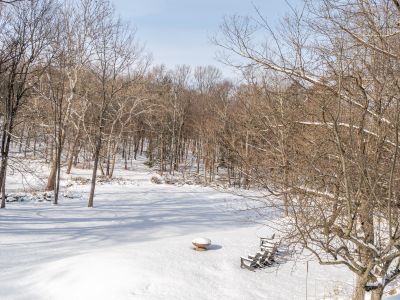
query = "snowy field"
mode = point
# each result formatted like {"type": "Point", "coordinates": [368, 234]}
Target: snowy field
{"type": "Point", "coordinates": [136, 244]}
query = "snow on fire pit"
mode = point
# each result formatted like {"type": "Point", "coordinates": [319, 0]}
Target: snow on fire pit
{"type": "Point", "coordinates": [201, 244]}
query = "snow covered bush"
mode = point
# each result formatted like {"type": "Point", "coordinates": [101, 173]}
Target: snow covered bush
{"type": "Point", "coordinates": [156, 179]}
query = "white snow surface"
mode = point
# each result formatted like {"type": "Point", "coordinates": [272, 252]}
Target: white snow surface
{"type": "Point", "coordinates": [201, 241]}
{"type": "Point", "coordinates": [136, 244]}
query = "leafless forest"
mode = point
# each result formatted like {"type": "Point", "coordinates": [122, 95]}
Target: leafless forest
{"type": "Point", "coordinates": [313, 120]}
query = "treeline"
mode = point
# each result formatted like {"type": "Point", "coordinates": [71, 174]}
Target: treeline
{"type": "Point", "coordinates": [173, 117]}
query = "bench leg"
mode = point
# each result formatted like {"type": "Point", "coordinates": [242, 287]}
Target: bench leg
{"type": "Point", "coordinates": [244, 266]}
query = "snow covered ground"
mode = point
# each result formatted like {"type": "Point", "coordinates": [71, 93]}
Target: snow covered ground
{"type": "Point", "coordinates": [136, 244]}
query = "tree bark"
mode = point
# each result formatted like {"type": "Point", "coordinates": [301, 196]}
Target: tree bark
{"type": "Point", "coordinates": [3, 192]}
{"type": "Point", "coordinates": [112, 166]}
{"type": "Point", "coordinates": [52, 177]}
{"type": "Point", "coordinates": [5, 149]}
{"type": "Point", "coordinates": [359, 292]}
{"type": "Point", "coordinates": [377, 293]}
{"type": "Point", "coordinates": [72, 154]}
{"type": "Point", "coordinates": [56, 164]}
{"type": "Point", "coordinates": [94, 174]}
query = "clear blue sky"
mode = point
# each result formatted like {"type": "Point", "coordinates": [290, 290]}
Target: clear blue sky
{"type": "Point", "coordinates": [178, 31]}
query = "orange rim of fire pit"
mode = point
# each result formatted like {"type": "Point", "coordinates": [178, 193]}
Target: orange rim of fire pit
{"type": "Point", "coordinates": [198, 247]}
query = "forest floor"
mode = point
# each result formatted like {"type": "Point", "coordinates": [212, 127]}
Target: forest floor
{"type": "Point", "coordinates": [136, 244]}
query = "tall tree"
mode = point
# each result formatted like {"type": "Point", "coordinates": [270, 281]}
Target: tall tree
{"type": "Point", "coordinates": [117, 58]}
{"type": "Point", "coordinates": [340, 152]}
{"type": "Point", "coordinates": [25, 38]}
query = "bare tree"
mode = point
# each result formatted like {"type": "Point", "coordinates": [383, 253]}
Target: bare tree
{"type": "Point", "coordinates": [59, 82]}
{"type": "Point", "coordinates": [338, 62]}
{"type": "Point", "coordinates": [24, 38]}
{"type": "Point", "coordinates": [116, 58]}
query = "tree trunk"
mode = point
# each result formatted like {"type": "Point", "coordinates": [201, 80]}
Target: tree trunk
{"type": "Point", "coordinates": [57, 176]}
{"type": "Point", "coordinates": [101, 168]}
{"type": "Point", "coordinates": [150, 151]}
{"type": "Point", "coordinates": [46, 151]}
{"type": "Point", "coordinates": [5, 149]}
{"type": "Point", "coordinates": [162, 155]}
{"type": "Point", "coordinates": [21, 138]}
{"type": "Point", "coordinates": [96, 154]}
{"type": "Point", "coordinates": [55, 165]}
{"type": "Point", "coordinates": [129, 148]}
{"type": "Point", "coordinates": [359, 292]}
{"type": "Point", "coordinates": [72, 154]}
{"type": "Point", "coordinates": [3, 174]}
{"type": "Point", "coordinates": [76, 155]}
{"type": "Point", "coordinates": [3, 191]}
{"type": "Point", "coordinates": [377, 293]}
{"type": "Point", "coordinates": [34, 144]}
{"type": "Point", "coordinates": [141, 146]}
{"type": "Point", "coordinates": [52, 177]}
{"type": "Point", "coordinates": [135, 147]}
{"type": "Point", "coordinates": [94, 174]}
{"type": "Point", "coordinates": [51, 150]}
{"type": "Point", "coordinates": [28, 142]}
{"type": "Point", "coordinates": [112, 165]}
{"type": "Point", "coordinates": [125, 156]}
{"type": "Point", "coordinates": [198, 157]}
{"type": "Point", "coordinates": [108, 161]}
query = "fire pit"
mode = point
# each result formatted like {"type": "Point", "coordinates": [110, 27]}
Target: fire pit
{"type": "Point", "coordinates": [201, 244]}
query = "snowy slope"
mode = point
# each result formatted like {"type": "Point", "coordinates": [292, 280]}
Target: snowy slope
{"type": "Point", "coordinates": [135, 244]}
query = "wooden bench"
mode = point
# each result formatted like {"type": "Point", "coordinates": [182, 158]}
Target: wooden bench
{"type": "Point", "coordinates": [265, 257]}
{"type": "Point", "coordinates": [269, 256]}
{"type": "Point", "coordinates": [268, 241]}
{"type": "Point", "coordinates": [262, 259]}
{"type": "Point", "coordinates": [250, 262]}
